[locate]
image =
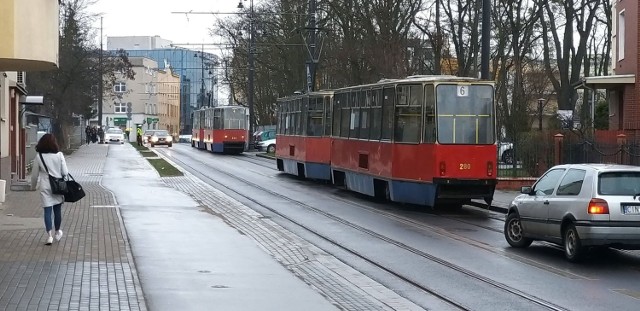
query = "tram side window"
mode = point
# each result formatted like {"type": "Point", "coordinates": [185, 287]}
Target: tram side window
{"type": "Point", "coordinates": [299, 118]}
{"type": "Point", "coordinates": [376, 114]}
{"type": "Point", "coordinates": [429, 115]}
{"type": "Point", "coordinates": [315, 114]}
{"type": "Point", "coordinates": [409, 114]}
{"type": "Point", "coordinates": [207, 119]}
{"type": "Point", "coordinates": [327, 115]}
{"type": "Point", "coordinates": [345, 119]}
{"type": "Point", "coordinates": [338, 100]}
{"type": "Point", "coordinates": [365, 114]}
{"type": "Point", "coordinates": [388, 99]}
{"type": "Point", "coordinates": [217, 119]}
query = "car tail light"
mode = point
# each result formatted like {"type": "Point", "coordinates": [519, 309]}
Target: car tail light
{"type": "Point", "coordinates": [489, 168]}
{"type": "Point", "coordinates": [598, 206]}
{"type": "Point", "coordinates": [443, 168]}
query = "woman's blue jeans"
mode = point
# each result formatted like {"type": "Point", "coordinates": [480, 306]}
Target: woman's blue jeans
{"type": "Point", "coordinates": [57, 215]}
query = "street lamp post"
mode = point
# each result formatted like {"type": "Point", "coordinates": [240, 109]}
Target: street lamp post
{"type": "Point", "coordinates": [540, 104]}
{"type": "Point", "coordinates": [251, 69]}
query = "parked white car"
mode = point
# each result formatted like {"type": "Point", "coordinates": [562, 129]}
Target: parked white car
{"type": "Point", "coordinates": [268, 145]}
{"type": "Point", "coordinates": [114, 135]}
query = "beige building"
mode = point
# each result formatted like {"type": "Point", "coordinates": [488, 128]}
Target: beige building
{"type": "Point", "coordinates": [169, 101]}
{"type": "Point", "coordinates": [28, 42]}
{"type": "Point", "coordinates": [151, 100]}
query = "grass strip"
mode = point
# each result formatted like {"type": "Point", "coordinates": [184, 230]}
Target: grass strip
{"type": "Point", "coordinates": [164, 168]}
{"type": "Point", "coordinates": [148, 154]}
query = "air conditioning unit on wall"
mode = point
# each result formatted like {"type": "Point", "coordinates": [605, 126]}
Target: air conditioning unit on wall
{"type": "Point", "coordinates": [21, 78]}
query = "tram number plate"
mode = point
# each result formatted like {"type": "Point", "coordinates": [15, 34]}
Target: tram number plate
{"type": "Point", "coordinates": [631, 209]}
{"type": "Point", "coordinates": [465, 166]}
{"type": "Point", "coordinates": [463, 90]}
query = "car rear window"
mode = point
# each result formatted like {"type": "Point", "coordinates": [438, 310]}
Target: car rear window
{"type": "Point", "coordinates": [619, 183]}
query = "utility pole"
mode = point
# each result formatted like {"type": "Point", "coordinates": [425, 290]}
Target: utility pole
{"type": "Point", "coordinates": [101, 77]}
{"type": "Point", "coordinates": [311, 63]}
{"type": "Point", "coordinates": [252, 70]}
{"type": "Point", "coordinates": [486, 39]}
{"type": "Point", "coordinates": [202, 77]}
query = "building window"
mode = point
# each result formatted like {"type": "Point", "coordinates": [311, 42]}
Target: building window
{"type": "Point", "coordinates": [621, 28]}
{"type": "Point", "coordinates": [119, 87]}
{"type": "Point", "coordinates": [120, 107]}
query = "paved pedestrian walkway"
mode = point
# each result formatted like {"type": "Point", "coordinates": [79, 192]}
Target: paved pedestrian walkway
{"type": "Point", "coordinates": [91, 268]}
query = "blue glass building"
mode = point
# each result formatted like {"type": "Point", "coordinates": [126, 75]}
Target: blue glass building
{"type": "Point", "coordinates": [198, 78]}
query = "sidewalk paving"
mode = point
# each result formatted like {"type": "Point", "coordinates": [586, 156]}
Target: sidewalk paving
{"type": "Point", "coordinates": [91, 268]}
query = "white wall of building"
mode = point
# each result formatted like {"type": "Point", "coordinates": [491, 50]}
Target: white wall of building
{"type": "Point", "coordinates": [137, 43]}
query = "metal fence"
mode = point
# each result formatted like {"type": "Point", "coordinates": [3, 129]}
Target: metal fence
{"type": "Point", "coordinates": [533, 153]}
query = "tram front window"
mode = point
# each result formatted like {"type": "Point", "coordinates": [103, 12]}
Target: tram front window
{"type": "Point", "coordinates": [234, 118]}
{"type": "Point", "coordinates": [465, 114]}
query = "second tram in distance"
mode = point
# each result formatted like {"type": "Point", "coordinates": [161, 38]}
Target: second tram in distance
{"type": "Point", "coordinates": [420, 140]}
{"type": "Point", "coordinates": [221, 129]}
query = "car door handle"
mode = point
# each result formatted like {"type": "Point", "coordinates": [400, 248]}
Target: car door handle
{"type": "Point", "coordinates": [546, 202]}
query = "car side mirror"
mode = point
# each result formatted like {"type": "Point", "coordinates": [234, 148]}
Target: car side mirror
{"type": "Point", "coordinates": [525, 190]}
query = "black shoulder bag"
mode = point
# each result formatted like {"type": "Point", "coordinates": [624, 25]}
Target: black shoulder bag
{"type": "Point", "coordinates": [58, 185]}
{"type": "Point", "coordinates": [74, 190]}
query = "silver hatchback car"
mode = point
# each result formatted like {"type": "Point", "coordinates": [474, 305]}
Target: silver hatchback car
{"type": "Point", "coordinates": [578, 206]}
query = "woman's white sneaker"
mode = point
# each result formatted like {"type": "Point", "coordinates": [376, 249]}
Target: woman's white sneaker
{"type": "Point", "coordinates": [58, 235]}
{"type": "Point", "coordinates": [49, 240]}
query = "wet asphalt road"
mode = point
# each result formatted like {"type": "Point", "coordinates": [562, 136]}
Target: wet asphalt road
{"type": "Point", "coordinates": [460, 255]}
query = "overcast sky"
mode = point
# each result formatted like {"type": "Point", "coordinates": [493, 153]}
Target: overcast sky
{"type": "Point", "coordinates": [154, 17]}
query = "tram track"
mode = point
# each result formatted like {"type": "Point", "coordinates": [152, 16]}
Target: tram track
{"type": "Point", "coordinates": [447, 264]}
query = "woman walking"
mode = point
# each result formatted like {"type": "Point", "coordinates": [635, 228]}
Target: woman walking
{"type": "Point", "coordinates": [49, 158]}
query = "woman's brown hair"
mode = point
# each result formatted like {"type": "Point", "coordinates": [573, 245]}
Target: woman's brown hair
{"type": "Point", "coordinates": [47, 144]}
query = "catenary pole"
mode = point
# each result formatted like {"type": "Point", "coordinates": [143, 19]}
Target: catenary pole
{"type": "Point", "coordinates": [486, 39]}
{"type": "Point", "coordinates": [100, 92]}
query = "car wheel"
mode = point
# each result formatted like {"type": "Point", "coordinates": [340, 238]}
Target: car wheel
{"type": "Point", "coordinates": [170, 144]}
{"type": "Point", "coordinates": [513, 232]}
{"type": "Point", "coordinates": [271, 149]}
{"type": "Point", "coordinates": [573, 249]}
{"type": "Point", "coordinates": [507, 156]}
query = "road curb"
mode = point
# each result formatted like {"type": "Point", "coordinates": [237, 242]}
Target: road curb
{"type": "Point", "coordinates": [266, 156]}
{"type": "Point", "coordinates": [493, 208]}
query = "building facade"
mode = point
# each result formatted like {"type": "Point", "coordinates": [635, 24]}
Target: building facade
{"type": "Point", "coordinates": [134, 103]}
{"type": "Point", "coordinates": [197, 70]}
{"type": "Point", "coordinates": [138, 42]}
{"type": "Point", "coordinates": [622, 85]}
{"type": "Point", "coordinates": [28, 42]}
{"type": "Point", "coordinates": [168, 95]}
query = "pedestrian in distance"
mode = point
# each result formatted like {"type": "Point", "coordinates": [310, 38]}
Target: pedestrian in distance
{"type": "Point", "coordinates": [101, 134]}
{"type": "Point", "coordinates": [94, 135]}
{"type": "Point", "coordinates": [87, 133]}
{"type": "Point", "coordinates": [139, 136]}
{"type": "Point", "coordinates": [49, 158]}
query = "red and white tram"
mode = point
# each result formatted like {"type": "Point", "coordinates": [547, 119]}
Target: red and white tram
{"type": "Point", "coordinates": [221, 129]}
{"type": "Point", "coordinates": [420, 140]}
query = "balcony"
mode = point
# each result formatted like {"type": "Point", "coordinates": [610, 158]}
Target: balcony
{"type": "Point", "coordinates": [29, 36]}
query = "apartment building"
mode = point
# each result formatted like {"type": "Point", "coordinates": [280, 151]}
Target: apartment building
{"type": "Point", "coordinates": [28, 42]}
